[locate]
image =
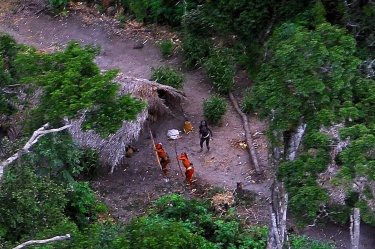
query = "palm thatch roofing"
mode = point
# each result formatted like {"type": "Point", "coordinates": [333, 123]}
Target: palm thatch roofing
{"type": "Point", "coordinates": [112, 150]}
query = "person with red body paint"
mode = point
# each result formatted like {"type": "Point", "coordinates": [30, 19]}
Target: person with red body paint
{"type": "Point", "coordinates": [163, 157]}
{"type": "Point", "coordinates": [188, 166]}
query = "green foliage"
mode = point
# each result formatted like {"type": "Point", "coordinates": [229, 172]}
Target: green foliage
{"type": "Point", "coordinates": [58, 4]}
{"type": "Point", "coordinates": [66, 226]}
{"type": "Point", "coordinates": [214, 109]}
{"type": "Point", "coordinates": [358, 158]}
{"type": "Point", "coordinates": [57, 156]}
{"type": "Point", "coordinates": [220, 69]}
{"type": "Point", "coordinates": [316, 139]}
{"type": "Point", "coordinates": [154, 232]}
{"type": "Point", "coordinates": [159, 11]}
{"type": "Point", "coordinates": [367, 214]}
{"type": "Point", "coordinates": [308, 74]}
{"type": "Point", "coordinates": [319, 12]}
{"type": "Point", "coordinates": [195, 215]}
{"type": "Point", "coordinates": [139, 7]}
{"type": "Point", "coordinates": [169, 76]}
{"type": "Point", "coordinates": [339, 213]}
{"type": "Point", "coordinates": [195, 49]}
{"type": "Point", "coordinates": [8, 50]}
{"type": "Point", "coordinates": [72, 83]}
{"type": "Point", "coordinates": [303, 242]}
{"type": "Point", "coordinates": [81, 204]}
{"type": "Point", "coordinates": [245, 19]}
{"type": "Point", "coordinates": [183, 209]}
{"type": "Point", "coordinates": [99, 235]}
{"type": "Point", "coordinates": [363, 13]}
{"type": "Point", "coordinates": [166, 48]}
{"type": "Point", "coordinates": [300, 177]}
{"type": "Point", "coordinates": [29, 203]}
{"type": "Point", "coordinates": [307, 201]}
{"type": "Point", "coordinates": [107, 235]}
{"type": "Point", "coordinates": [121, 18]}
{"type": "Point", "coordinates": [107, 119]}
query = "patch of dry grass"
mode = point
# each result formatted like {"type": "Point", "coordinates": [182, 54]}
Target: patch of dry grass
{"type": "Point", "coordinates": [8, 5]}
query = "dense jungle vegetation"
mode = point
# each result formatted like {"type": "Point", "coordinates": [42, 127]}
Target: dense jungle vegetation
{"type": "Point", "coordinates": [312, 64]}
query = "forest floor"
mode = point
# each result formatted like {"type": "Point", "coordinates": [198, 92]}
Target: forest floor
{"type": "Point", "coordinates": [139, 180]}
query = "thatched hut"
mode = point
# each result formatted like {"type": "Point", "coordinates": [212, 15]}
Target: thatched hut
{"type": "Point", "coordinates": [157, 97]}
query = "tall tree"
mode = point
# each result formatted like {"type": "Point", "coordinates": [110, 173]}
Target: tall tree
{"type": "Point", "coordinates": [311, 79]}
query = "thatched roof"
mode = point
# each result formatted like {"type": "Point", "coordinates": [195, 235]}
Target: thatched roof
{"type": "Point", "coordinates": [112, 150]}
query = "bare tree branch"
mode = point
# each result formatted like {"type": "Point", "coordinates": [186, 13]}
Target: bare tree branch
{"type": "Point", "coordinates": [44, 241]}
{"type": "Point", "coordinates": [34, 139]}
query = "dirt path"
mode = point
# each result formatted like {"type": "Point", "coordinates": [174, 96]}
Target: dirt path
{"type": "Point", "coordinates": [222, 167]}
{"type": "Point", "coordinates": [138, 180]}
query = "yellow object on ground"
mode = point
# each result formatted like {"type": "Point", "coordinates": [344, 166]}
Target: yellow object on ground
{"type": "Point", "coordinates": [188, 127]}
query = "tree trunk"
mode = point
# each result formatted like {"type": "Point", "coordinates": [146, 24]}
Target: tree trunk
{"type": "Point", "coordinates": [355, 223]}
{"type": "Point", "coordinates": [295, 141]}
{"type": "Point", "coordinates": [279, 198]}
{"type": "Point", "coordinates": [248, 138]}
{"type": "Point", "coordinates": [278, 208]}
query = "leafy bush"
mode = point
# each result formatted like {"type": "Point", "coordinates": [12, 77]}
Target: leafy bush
{"type": "Point", "coordinates": [307, 201]}
{"type": "Point", "coordinates": [72, 82]}
{"type": "Point", "coordinates": [57, 156]}
{"type": "Point", "coordinates": [214, 109]}
{"type": "Point", "coordinates": [199, 218]}
{"type": "Point", "coordinates": [302, 242]}
{"type": "Point", "coordinates": [81, 204]}
{"type": "Point", "coordinates": [58, 4]}
{"type": "Point", "coordinates": [159, 233]}
{"type": "Point", "coordinates": [195, 49]}
{"type": "Point", "coordinates": [169, 76]}
{"type": "Point", "coordinates": [220, 68]}
{"type": "Point", "coordinates": [158, 11]}
{"type": "Point", "coordinates": [29, 203]}
{"type": "Point", "coordinates": [166, 48]}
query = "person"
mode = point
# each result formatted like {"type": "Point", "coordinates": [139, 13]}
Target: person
{"type": "Point", "coordinates": [205, 134]}
{"type": "Point", "coordinates": [163, 157]}
{"type": "Point", "coordinates": [129, 150]}
{"type": "Point", "coordinates": [188, 166]}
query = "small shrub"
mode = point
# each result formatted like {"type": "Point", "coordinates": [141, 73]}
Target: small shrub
{"type": "Point", "coordinates": [169, 76]}
{"type": "Point", "coordinates": [220, 68]}
{"type": "Point", "coordinates": [302, 242]}
{"type": "Point", "coordinates": [121, 18]}
{"type": "Point", "coordinates": [166, 48]}
{"type": "Point", "coordinates": [57, 4]}
{"type": "Point", "coordinates": [81, 205]}
{"type": "Point", "coordinates": [214, 109]}
{"type": "Point", "coordinates": [195, 50]}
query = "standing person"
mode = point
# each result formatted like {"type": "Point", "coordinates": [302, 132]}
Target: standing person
{"type": "Point", "coordinates": [163, 157]}
{"type": "Point", "coordinates": [188, 166]}
{"type": "Point", "coordinates": [205, 134]}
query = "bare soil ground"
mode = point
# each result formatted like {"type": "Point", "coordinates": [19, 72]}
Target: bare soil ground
{"type": "Point", "coordinates": [139, 181]}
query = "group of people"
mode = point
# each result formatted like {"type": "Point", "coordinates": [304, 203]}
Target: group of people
{"type": "Point", "coordinates": [205, 135]}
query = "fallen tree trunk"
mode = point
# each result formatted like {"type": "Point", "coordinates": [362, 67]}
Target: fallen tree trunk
{"type": "Point", "coordinates": [248, 138]}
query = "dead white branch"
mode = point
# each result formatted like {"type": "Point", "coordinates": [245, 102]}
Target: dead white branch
{"type": "Point", "coordinates": [33, 140]}
{"type": "Point", "coordinates": [355, 223]}
{"type": "Point", "coordinates": [278, 205]}
{"type": "Point", "coordinates": [295, 141]}
{"type": "Point", "coordinates": [44, 241]}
